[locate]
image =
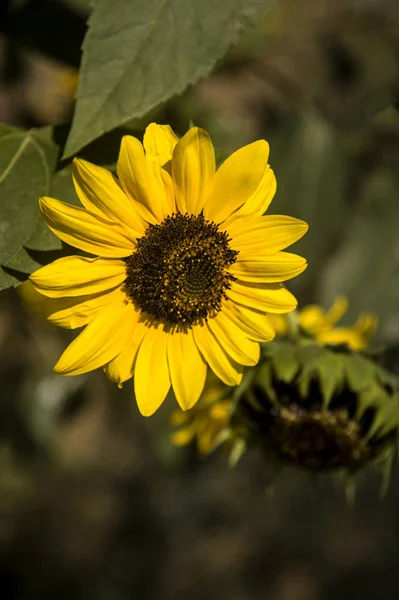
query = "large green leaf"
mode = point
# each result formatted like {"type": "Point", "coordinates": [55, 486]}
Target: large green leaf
{"type": "Point", "coordinates": [140, 53]}
{"type": "Point", "coordinates": [27, 160]}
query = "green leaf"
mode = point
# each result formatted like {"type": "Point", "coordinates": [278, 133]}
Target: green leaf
{"type": "Point", "coordinates": [27, 160]}
{"type": "Point", "coordinates": [264, 378]}
{"type": "Point", "coordinates": [360, 372]}
{"type": "Point", "coordinates": [62, 187]}
{"type": "Point", "coordinates": [330, 367]}
{"type": "Point", "coordinates": [140, 53]}
{"type": "Point", "coordinates": [285, 362]}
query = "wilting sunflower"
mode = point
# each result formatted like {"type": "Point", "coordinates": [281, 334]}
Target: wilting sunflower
{"type": "Point", "coordinates": [321, 408]}
{"type": "Point", "coordinates": [186, 266]}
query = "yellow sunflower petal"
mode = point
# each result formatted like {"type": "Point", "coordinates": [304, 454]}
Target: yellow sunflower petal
{"type": "Point", "coordinates": [236, 180]}
{"type": "Point", "coordinates": [265, 235]}
{"type": "Point", "coordinates": [267, 298]}
{"type": "Point", "coordinates": [121, 368]}
{"type": "Point", "coordinates": [193, 170]}
{"type": "Point", "coordinates": [184, 436]}
{"type": "Point", "coordinates": [67, 312]}
{"type": "Point", "coordinates": [280, 324]}
{"type": "Point", "coordinates": [337, 311]}
{"type": "Point", "coordinates": [187, 368]}
{"type": "Point", "coordinates": [221, 364]}
{"type": "Point", "coordinates": [101, 340]}
{"type": "Point", "coordinates": [142, 180]}
{"type": "Point", "coordinates": [341, 335]}
{"type": "Point", "coordinates": [254, 323]}
{"type": "Point", "coordinates": [366, 325]}
{"type": "Point", "coordinates": [276, 268]}
{"type": "Point", "coordinates": [259, 202]}
{"type": "Point", "coordinates": [159, 142]}
{"type": "Point", "coordinates": [101, 194]}
{"type": "Point", "coordinates": [209, 437]}
{"type": "Point", "coordinates": [234, 341]}
{"type": "Point", "coordinates": [78, 275]}
{"type": "Point", "coordinates": [151, 371]}
{"type": "Point", "coordinates": [314, 319]}
{"type": "Point", "coordinates": [178, 418]}
{"type": "Point", "coordinates": [82, 229]}
{"type": "Point", "coordinates": [356, 337]}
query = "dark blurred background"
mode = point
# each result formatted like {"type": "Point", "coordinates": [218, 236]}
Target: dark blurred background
{"type": "Point", "coordinates": [94, 501]}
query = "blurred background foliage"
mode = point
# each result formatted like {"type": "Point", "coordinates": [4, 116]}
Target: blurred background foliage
{"type": "Point", "coordinates": [94, 501]}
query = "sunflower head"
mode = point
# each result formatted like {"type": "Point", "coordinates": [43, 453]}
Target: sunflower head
{"type": "Point", "coordinates": [323, 409]}
{"type": "Point", "coordinates": [318, 403]}
{"type": "Point", "coordinates": [185, 269]}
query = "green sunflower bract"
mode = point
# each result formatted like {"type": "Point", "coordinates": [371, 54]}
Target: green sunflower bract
{"type": "Point", "coordinates": [186, 266]}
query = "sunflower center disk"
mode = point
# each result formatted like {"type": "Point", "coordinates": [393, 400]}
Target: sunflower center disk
{"type": "Point", "coordinates": [319, 440]}
{"type": "Point", "coordinates": [178, 274]}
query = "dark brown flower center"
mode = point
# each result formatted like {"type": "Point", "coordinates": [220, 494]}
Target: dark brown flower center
{"type": "Point", "coordinates": [318, 439]}
{"type": "Point", "coordinates": [178, 274]}
{"type": "Point", "coordinates": [301, 431]}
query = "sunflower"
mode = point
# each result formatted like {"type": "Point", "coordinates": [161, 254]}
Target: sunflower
{"type": "Point", "coordinates": [185, 268]}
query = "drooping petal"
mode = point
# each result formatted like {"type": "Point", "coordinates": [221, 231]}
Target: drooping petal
{"type": "Point", "coordinates": [314, 319]}
{"type": "Point", "coordinates": [234, 341]}
{"type": "Point", "coordinates": [254, 323]}
{"type": "Point", "coordinates": [101, 340]}
{"type": "Point", "coordinates": [159, 142]}
{"type": "Point", "coordinates": [178, 418]}
{"type": "Point", "coordinates": [356, 337]}
{"type": "Point", "coordinates": [236, 180]}
{"type": "Point", "coordinates": [184, 436]}
{"type": "Point", "coordinates": [267, 298]}
{"type": "Point", "coordinates": [67, 312]}
{"type": "Point", "coordinates": [121, 368]}
{"type": "Point", "coordinates": [82, 229]}
{"type": "Point", "coordinates": [224, 367]}
{"type": "Point", "coordinates": [262, 236]}
{"type": "Point", "coordinates": [193, 170]}
{"type": "Point", "coordinates": [187, 368]}
{"type": "Point", "coordinates": [78, 275]}
{"type": "Point", "coordinates": [280, 324]}
{"type": "Point", "coordinates": [144, 181]}
{"type": "Point", "coordinates": [275, 268]}
{"type": "Point", "coordinates": [101, 194]}
{"type": "Point", "coordinates": [151, 371]}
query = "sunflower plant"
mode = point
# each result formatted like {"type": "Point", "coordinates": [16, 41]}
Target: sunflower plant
{"type": "Point", "coordinates": [123, 220]}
